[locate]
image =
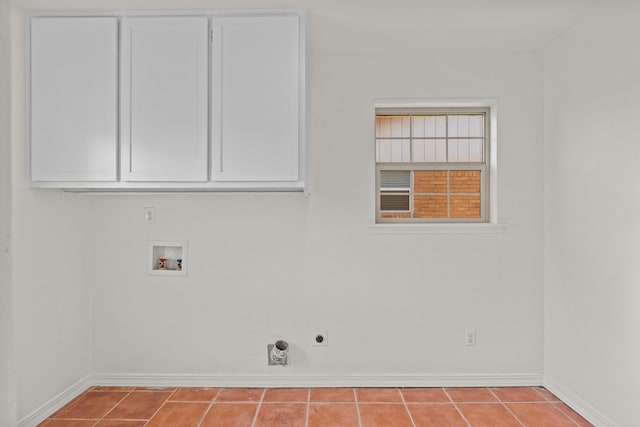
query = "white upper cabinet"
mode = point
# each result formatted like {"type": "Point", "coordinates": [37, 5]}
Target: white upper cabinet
{"type": "Point", "coordinates": [164, 95]}
{"type": "Point", "coordinates": [74, 77]}
{"type": "Point", "coordinates": [256, 79]}
{"type": "Point", "coordinates": [209, 101]}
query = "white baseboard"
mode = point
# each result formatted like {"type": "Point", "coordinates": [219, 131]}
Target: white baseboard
{"type": "Point", "coordinates": [579, 405]}
{"type": "Point", "coordinates": [439, 380]}
{"type": "Point", "coordinates": [57, 402]}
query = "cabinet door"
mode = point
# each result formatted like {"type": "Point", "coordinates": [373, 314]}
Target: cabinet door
{"type": "Point", "coordinates": [164, 120]}
{"type": "Point", "coordinates": [74, 77]}
{"type": "Point", "coordinates": [255, 129]}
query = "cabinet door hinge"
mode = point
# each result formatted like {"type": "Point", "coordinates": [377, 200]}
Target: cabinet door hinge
{"type": "Point", "coordinates": [211, 36]}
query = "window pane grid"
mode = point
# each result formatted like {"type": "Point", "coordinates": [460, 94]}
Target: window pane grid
{"type": "Point", "coordinates": [438, 138]}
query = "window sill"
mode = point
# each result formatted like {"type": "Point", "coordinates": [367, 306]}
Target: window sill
{"type": "Point", "coordinates": [439, 228]}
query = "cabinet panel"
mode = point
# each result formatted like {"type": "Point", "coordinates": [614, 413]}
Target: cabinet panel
{"type": "Point", "coordinates": [74, 79]}
{"type": "Point", "coordinates": [164, 118]}
{"type": "Point", "coordinates": [256, 66]}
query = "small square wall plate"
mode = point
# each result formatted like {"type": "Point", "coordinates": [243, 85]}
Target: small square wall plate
{"type": "Point", "coordinates": [167, 258]}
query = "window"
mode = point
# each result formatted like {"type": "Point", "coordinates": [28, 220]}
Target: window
{"type": "Point", "coordinates": [432, 165]}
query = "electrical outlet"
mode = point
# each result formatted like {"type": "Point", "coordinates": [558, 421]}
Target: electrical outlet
{"type": "Point", "coordinates": [149, 215]}
{"type": "Point", "coordinates": [320, 339]}
{"type": "Point", "coordinates": [470, 337]}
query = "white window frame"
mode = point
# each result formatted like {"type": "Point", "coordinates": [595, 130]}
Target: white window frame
{"type": "Point", "coordinates": [489, 174]}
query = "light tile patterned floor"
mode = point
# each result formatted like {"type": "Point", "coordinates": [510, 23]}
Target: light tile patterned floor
{"type": "Point", "coordinates": [316, 407]}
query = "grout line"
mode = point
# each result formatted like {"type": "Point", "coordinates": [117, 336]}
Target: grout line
{"type": "Point", "coordinates": [172, 393]}
{"type": "Point", "coordinates": [160, 407]}
{"type": "Point", "coordinates": [564, 413]}
{"type": "Point", "coordinates": [114, 406]}
{"type": "Point", "coordinates": [67, 405]}
{"type": "Point", "coordinates": [541, 394]}
{"type": "Point", "coordinates": [302, 402]}
{"type": "Point", "coordinates": [406, 407]}
{"type": "Point", "coordinates": [504, 405]}
{"type": "Point", "coordinates": [456, 406]}
{"type": "Point", "coordinates": [355, 399]}
{"type": "Point", "coordinates": [92, 419]}
{"type": "Point", "coordinates": [255, 416]}
{"type": "Point", "coordinates": [544, 396]}
{"type": "Point", "coordinates": [209, 408]}
{"type": "Point", "coordinates": [306, 423]}
{"type": "Point", "coordinates": [324, 403]}
{"type": "Point", "coordinates": [88, 419]}
{"type": "Point", "coordinates": [95, 419]}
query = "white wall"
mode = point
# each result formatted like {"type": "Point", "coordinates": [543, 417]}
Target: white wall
{"type": "Point", "coordinates": [265, 266]}
{"type": "Point", "coordinates": [7, 373]}
{"type": "Point", "coordinates": [50, 266]}
{"type": "Point", "coordinates": [281, 265]}
{"type": "Point", "coordinates": [591, 223]}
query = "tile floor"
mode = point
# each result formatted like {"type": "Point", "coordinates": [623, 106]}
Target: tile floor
{"type": "Point", "coordinates": [325, 407]}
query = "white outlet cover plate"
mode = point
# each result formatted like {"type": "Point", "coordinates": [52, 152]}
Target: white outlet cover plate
{"type": "Point", "coordinates": [149, 215]}
{"type": "Point", "coordinates": [324, 343]}
{"type": "Point", "coordinates": [470, 337]}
